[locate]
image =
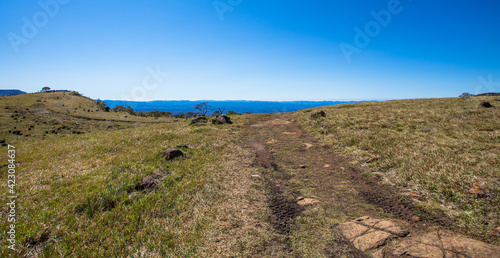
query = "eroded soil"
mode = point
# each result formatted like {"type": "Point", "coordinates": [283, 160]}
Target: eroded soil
{"type": "Point", "coordinates": [293, 165]}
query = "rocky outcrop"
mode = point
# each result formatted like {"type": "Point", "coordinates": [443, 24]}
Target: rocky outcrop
{"type": "Point", "coordinates": [221, 119]}
{"type": "Point", "coordinates": [172, 153]}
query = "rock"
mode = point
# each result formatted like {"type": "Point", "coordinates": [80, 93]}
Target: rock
{"type": "Point", "coordinates": [477, 190]}
{"type": "Point", "coordinates": [149, 183]}
{"type": "Point", "coordinates": [327, 166]}
{"type": "Point", "coordinates": [302, 166]}
{"type": "Point", "coordinates": [318, 114]}
{"type": "Point", "coordinates": [392, 227]}
{"type": "Point", "coordinates": [352, 230]}
{"type": "Point", "coordinates": [200, 119]}
{"type": "Point", "coordinates": [271, 141]}
{"type": "Point", "coordinates": [373, 159]}
{"type": "Point", "coordinates": [411, 194]}
{"type": "Point", "coordinates": [372, 237]}
{"type": "Point", "coordinates": [367, 233]}
{"type": "Point", "coordinates": [443, 243]}
{"type": "Point", "coordinates": [367, 221]}
{"type": "Point", "coordinates": [194, 145]}
{"type": "Point", "coordinates": [221, 119]}
{"type": "Point", "coordinates": [428, 128]}
{"type": "Point", "coordinates": [180, 146]}
{"type": "Point", "coordinates": [378, 254]}
{"type": "Point", "coordinates": [371, 240]}
{"type": "Point", "coordinates": [307, 201]}
{"type": "Point", "coordinates": [485, 104]}
{"type": "Point", "coordinates": [415, 249]}
{"type": "Point", "coordinates": [172, 153]}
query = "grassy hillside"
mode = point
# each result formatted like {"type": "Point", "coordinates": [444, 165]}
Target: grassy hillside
{"type": "Point", "coordinates": [36, 116]}
{"type": "Point", "coordinates": [93, 183]}
{"type": "Point", "coordinates": [433, 150]}
{"type": "Point", "coordinates": [79, 194]}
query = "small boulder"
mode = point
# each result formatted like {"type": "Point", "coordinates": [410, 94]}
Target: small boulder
{"type": "Point", "coordinates": [172, 153]}
{"type": "Point", "coordinates": [200, 119]}
{"type": "Point", "coordinates": [485, 104]}
{"type": "Point", "coordinates": [318, 114]}
{"type": "Point", "coordinates": [221, 119]}
{"type": "Point", "coordinates": [148, 183]}
{"type": "Point", "coordinates": [477, 190]}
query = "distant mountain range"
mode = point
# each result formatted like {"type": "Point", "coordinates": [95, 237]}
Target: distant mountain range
{"type": "Point", "coordinates": [10, 92]}
{"type": "Point", "coordinates": [239, 106]}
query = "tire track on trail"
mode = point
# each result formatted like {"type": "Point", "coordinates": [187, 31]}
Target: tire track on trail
{"type": "Point", "coordinates": [294, 165]}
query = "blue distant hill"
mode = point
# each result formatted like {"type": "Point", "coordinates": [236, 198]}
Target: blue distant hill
{"type": "Point", "coordinates": [239, 106]}
{"type": "Point", "coordinates": [10, 92]}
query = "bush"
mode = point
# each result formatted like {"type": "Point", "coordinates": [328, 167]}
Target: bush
{"type": "Point", "coordinates": [465, 95]}
{"type": "Point", "coordinates": [230, 112]}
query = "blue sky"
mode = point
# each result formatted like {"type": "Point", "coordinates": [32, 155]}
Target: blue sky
{"type": "Point", "coordinates": [255, 50]}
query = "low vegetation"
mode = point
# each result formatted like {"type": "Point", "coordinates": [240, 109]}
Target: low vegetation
{"type": "Point", "coordinates": [78, 189]}
{"type": "Point", "coordinates": [434, 150]}
{"type": "Point", "coordinates": [93, 182]}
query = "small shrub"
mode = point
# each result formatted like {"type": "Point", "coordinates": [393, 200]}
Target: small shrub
{"type": "Point", "coordinates": [465, 95]}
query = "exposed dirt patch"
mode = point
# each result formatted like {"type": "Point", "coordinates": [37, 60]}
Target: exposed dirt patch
{"type": "Point", "coordinates": [284, 209]}
{"type": "Point", "coordinates": [271, 123]}
{"type": "Point", "coordinates": [294, 161]}
{"type": "Point", "coordinates": [149, 183]}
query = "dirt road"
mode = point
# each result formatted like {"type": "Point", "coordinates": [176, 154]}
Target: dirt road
{"type": "Point", "coordinates": [320, 204]}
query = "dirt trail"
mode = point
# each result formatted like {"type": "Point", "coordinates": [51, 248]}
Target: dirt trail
{"type": "Point", "coordinates": [305, 179]}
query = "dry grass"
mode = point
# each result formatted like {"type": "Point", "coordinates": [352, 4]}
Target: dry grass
{"type": "Point", "coordinates": [74, 189]}
{"type": "Point", "coordinates": [433, 148]}
{"type": "Point", "coordinates": [75, 196]}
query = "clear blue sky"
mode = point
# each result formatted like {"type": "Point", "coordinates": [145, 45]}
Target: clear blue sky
{"type": "Point", "coordinates": [251, 49]}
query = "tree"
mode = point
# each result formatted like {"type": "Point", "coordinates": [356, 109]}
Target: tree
{"type": "Point", "coordinates": [221, 111]}
{"type": "Point", "coordinates": [465, 95]}
{"type": "Point", "coordinates": [203, 107]}
{"type": "Point", "coordinates": [101, 105]}
{"type": "Point", "coordinates": [45, 89]}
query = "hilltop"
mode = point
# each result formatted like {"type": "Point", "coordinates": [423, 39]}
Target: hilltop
{"type": "Point", "coordinates": [393, 177]}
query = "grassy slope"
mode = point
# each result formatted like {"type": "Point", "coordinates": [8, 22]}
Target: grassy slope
{"type": "Point", "coordinates": [74, 197]}
{"type": "Point", "coordinates": [45, 115]}
{"type": "Point", "coordinates": [74, 188]}
{"type": "Point", "coordinates": [434, 149]}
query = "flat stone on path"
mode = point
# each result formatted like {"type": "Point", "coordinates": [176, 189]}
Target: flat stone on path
{"type": "Point", "coordinates": [367, 233]}
{"type": "Point", "coordinates": [443, 243]}
{"type": "Point", "coordinates": [371, 236]}
{"type": "Point", "coordinates": [372, 239]}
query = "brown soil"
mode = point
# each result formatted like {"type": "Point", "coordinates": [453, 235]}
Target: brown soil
{"type": "Point", "coordinates": [278, 142]}
{"type": "Point", "coordinates": [149, 183]}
